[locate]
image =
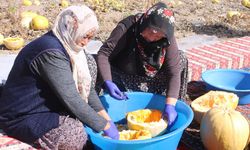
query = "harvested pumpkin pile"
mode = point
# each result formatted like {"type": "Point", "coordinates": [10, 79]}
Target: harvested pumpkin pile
{"type": "Point", "coordinates": [142, 124]}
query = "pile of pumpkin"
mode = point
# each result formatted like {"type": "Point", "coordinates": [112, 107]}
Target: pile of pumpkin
{"type": "Point", "coordinates": [221, 126]}
{"type": "Point", "coordinates": [29, 20]}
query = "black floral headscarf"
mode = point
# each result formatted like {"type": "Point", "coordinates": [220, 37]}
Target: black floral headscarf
{"type": "Point", "coordinates": [160, 18]}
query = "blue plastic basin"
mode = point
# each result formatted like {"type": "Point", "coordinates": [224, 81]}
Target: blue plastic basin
{"type": "Point", "coordinates": [230, 80]}
{"type": "Point", "coordinates": [139, 100]}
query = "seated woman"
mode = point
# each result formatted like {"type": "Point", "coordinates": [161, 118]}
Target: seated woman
{"type": "Point", "coordinates": [141, 54]}
{"type": "Point", "coordinates": [50, 93]}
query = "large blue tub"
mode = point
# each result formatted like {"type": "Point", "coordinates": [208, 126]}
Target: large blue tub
{"type": "Point", "coordinates": [138, 100]}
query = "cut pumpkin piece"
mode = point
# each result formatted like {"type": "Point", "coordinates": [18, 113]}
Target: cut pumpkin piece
{"type": "Point", "coordinates": [213, 99]}
{"type": "Point", "coordinates": [13, 43]}
{"type": "Point", "coordinates": [134, 135]}
{"type": "Point", "coordinates": [147, 119]}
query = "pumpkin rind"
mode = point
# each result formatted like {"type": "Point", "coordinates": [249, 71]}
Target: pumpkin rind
{"type": "Point", "coordinates": [224, 129]}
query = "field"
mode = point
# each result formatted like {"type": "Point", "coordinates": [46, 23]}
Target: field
{"type": "Point", "coordinates": [192, 16]}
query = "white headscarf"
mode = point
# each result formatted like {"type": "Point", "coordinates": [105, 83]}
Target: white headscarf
{"type": "Point", "coordinates": [67, 31]}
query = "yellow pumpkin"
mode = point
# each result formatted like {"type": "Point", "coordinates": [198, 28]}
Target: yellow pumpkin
{"type": "Point", "coordinates": [1, 39]}
{"type": "Point", "coordinates": [134, 135]}
{"type": "Point", "coordinates": [231, 14]}
{"type": "Point", "coordinates": [224, 129]}
{"type": "Point", "coordinates": [39, 23]}
{"type": "Point", "coordinates": [13, 43]}
{"type": "Point", "coordinates": [64, 3]}
{"type": "Point", "coordinates": [213, 99]}
{"type": "Point", "coordinates": [27, 2]}
{"type": "Point", "coordinates": [246, 3]}
{"type": "Point", "coordinates": [147, 119]}
{"type": "Point", "coordinates": [26, 18]}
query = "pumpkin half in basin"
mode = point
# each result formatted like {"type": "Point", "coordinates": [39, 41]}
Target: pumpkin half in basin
{"type": "Point", "coordinates": [147, 119]}
{"type": "Point", "coordinates": [213, 99]}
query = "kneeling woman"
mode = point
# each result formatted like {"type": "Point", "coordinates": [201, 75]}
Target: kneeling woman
{"type": "Point", "coordinates": [49, 93]}
{"type": "Point", "coordinates": [141, 54]}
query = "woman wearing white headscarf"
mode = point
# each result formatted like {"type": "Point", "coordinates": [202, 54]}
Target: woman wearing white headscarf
{"type": "Point", "coordinates": [49, 93]}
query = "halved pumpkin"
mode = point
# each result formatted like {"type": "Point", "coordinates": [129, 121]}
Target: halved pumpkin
{"type": "Point", "coordinates": [13, 43]}
{"type": "Point", "coordinates": [147, 119]}
{"type": "Point", "coordinates": [134, 135]}
{"type": "Point", "coordinates": [213, 99]}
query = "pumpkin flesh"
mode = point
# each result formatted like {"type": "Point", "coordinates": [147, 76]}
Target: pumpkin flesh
{"type": "Point", "coordinates": [147, 119]}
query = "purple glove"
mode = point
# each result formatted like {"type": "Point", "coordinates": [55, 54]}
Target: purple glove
{"type": "Point", "coordinates": [170, 113]}
{"type": "Point", "coordinates": [114, 90]}
{"type": "Point", "coordinates": [112, 131]}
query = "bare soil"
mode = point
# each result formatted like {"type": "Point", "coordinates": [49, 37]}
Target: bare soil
{"type": "Point", "coordinates": [192, 17]}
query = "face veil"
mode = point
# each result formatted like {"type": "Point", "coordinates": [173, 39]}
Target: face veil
{"type": "Point", "coordinates": [152, 54]}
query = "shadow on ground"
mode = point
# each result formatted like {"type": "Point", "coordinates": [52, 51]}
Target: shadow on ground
{"type": "Point", "coordinates": [220, 31]}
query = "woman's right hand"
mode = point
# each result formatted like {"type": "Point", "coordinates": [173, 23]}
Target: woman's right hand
{"type": "Point", "coordinates": [114, 91]}
{"type": "Point", "coordinates": [111, 130]}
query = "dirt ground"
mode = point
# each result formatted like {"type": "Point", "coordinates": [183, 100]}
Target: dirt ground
{"type": "Point", "coordinates": [191, 17]}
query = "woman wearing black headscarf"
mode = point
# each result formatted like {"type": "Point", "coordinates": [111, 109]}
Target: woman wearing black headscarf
{"type": "Point", "coordinates": [141, 54]}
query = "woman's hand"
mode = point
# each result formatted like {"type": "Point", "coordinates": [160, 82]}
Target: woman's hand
{"type": "Point", "coordinates": [114, 91]}
{"type": "Point", "coordinates": [169, 111]}
{"type": "Point", "coordinates": [111, 131]}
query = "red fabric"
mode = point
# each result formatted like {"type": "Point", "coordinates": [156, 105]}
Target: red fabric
{"type": "Point", "coordinates": [231, 54]}
{"type": "Point", "coordinates": [7, 142]}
